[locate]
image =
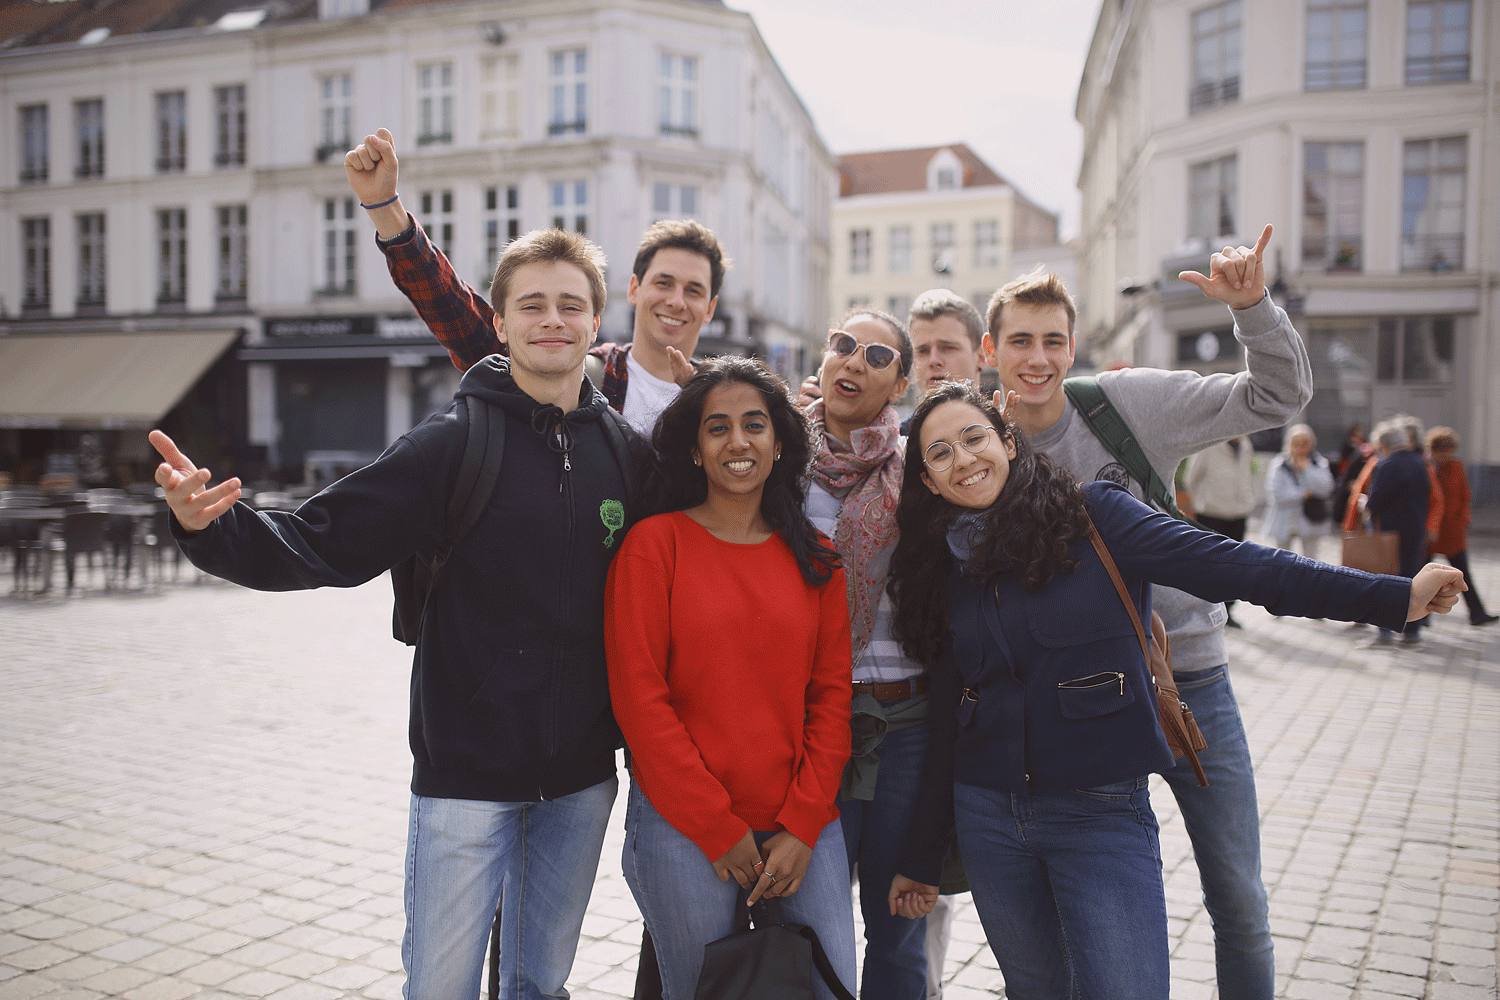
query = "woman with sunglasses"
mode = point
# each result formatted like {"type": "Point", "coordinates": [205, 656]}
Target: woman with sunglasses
{"type": "Point", "coordinates": [727, 637]}
{"type": "Point", "coordinates": [1045, 726]}
{"type": "Point", "coordinates": [856, 482]}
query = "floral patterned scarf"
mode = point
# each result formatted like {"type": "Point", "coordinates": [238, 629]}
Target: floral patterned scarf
{"type": "Point", "coordinates": [866, 477]}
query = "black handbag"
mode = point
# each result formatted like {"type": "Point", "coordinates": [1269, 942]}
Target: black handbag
{"type": "Point", "coordinates": [1315, 509]}
{"type": "Point", "coordinates": [772, 961]}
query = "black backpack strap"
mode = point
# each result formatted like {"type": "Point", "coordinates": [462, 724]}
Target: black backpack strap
{"type": "Point", "coordinates": [1088, 397]}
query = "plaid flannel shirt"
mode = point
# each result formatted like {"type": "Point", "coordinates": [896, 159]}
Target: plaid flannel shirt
{"type": "Point", "coordinates": [460, 318]}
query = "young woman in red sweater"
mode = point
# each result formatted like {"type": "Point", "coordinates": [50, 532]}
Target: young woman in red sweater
{"type": "Point", "coordinates": [727, 636]}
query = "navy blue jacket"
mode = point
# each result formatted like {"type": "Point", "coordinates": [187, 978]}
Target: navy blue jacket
{"type": "Point", "coordinates": [1047, 691]}
{"type": "Point", "coordinates": [509, 696]}
{"type": "Point", "coordinates": [1399, 491]}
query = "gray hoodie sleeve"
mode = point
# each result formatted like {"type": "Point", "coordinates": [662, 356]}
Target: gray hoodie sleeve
{"type": "Point", "coordinates": [1176, 413]}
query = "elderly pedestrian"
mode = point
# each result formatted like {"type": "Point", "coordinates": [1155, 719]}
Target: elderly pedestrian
{"type": "Point", "coordinates": [1297, 489]}
{"type": "Point", "coordinates": [1452, 542]}
{"type": "Point", "coordinates": [1398, 501]}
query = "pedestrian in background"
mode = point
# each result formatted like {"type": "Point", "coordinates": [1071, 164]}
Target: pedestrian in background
{"type": "Point", "coordinates": [1297, 488]}
{"type": "Point", "coordinates": [1452, 542]}
{"type": "Point", "coordinates": [1217, 483]}
{"type": "Point", "coordinates": [1397, 501]}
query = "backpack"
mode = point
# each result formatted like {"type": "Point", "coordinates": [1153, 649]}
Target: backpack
{"type": "Point", "coordinates": [1115, 434]}
{"type": "Point", "coordinates": [416, 577]}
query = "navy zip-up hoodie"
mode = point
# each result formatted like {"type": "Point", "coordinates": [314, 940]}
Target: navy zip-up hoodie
{"type": "Point", "coordinates": [509, 697]}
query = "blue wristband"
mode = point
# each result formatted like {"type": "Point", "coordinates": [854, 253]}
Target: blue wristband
{"type": "Point", "coordinates": [381, 204]}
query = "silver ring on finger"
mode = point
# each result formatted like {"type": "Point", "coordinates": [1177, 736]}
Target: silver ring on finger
{"type": "Point", "coordinates": [771, 876]}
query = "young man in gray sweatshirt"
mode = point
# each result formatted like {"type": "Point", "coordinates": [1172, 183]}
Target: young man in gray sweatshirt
{"type": "Point", "coordinates": [1173, 414]}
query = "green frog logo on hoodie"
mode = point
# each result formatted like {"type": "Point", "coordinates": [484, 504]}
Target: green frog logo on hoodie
{"type": "Point", "coordinates": [612, 513]}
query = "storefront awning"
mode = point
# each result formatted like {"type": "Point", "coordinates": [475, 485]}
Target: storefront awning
{"type": "Point", "coordinates": [101, 380]}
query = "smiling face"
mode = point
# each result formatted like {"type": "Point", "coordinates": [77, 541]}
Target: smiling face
{"type": "Point", "coordinates": [736, 441]}
{"type": "Point", "coordinates": [673, 302]}
{"type": "Point", "coordinates": [1033, 351]}
{"type": "Point", "coordinates": [942, 352]}
{"type": "Point", "coordinates": [853, 392]}
{"type": "Point", "coordinates": [548, 322]}
{"type": "Point", "coordinates": [975, 478]}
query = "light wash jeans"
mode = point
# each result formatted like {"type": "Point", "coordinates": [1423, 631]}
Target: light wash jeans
{"type": "Point", "coordinates": [1223, 822]}
{"type": "Point", "coordinates": [463, 856]}
{"type": "Point", "coordinates": [874, 833]}
{"type": "Point", "coordinates": [686, 906]}
{"type": "Point", "coordinates": [1068, 883]}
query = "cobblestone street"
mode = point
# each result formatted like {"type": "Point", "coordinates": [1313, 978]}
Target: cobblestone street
{"type": "Point", "coordinates": [203, 792]}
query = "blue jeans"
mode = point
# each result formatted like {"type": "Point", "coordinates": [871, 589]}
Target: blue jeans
{"type": "Point", "coordinates": [686, 906]}
{"type": "Point", "coordinates": [1223, 822]}
{"type": "Point", "coordinates": [464, 856]}
{"type": "Point", "coordinates": [1068, 883]}
{"type": "Point", "coordinates": [874, 831]}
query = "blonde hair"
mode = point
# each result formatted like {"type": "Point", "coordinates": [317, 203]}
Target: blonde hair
{"type": "Point", "coordinates": [544, 246]}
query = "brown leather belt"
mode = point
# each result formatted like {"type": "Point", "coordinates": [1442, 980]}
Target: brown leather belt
{"type": "Point", "coordinates": [892, 690]}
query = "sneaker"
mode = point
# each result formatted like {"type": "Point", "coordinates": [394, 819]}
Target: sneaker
{"type": "Point", "coordinates": [1381, 640]}
{"type": "Point", "coordinates": [1410, 638]}
{"type": "Point", "coordinates": [1484, 620]}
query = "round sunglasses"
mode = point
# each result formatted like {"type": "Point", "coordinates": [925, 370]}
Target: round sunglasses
{"type": "Point", "coordinates": [877, 356]}
{"type": "Point", "coordinates": [939, 455]}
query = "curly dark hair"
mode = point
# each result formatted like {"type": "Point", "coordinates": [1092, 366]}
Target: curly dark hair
{"type": "Point", "coordinates": [677, 484]}
{"type": "Point", "coordinates": [1028, 530]}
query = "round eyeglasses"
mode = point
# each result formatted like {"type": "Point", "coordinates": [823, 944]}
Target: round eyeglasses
{"type": "Point", "coordinates": [940, 454]}
{"type": "Point", "coordinates": [877, 356]}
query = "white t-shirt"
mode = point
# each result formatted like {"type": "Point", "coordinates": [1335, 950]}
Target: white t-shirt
{"type": "Point", "coordinates": [645, 396]}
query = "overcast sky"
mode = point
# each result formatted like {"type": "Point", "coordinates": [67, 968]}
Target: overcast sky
{"type": "Point", "coordinates": [1000, 75]}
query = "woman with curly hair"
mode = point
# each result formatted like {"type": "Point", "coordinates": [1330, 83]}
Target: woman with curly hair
{"type": "Point", "coordinates": [1044, 725]}
{"type": "Point", "coordinates": [727, 636]}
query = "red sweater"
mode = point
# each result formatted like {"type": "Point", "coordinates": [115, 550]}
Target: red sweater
{"type": "Point", "coordinates": [730, 679]}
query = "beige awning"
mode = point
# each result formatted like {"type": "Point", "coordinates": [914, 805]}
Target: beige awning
{"type": "Point", "coordinates": [101, 379]}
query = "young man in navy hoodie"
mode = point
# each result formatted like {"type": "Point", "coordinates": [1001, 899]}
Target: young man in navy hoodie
{"type": "Point", "coordinates": [511, 731]}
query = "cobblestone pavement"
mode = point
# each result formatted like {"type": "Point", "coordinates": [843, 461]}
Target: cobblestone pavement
{"type": "Point", "coordinates": [203, 792]}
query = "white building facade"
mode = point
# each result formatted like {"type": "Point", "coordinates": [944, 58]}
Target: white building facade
{"type": "Point", "coordinates": [190, 180]}
{"type": "Point", "coordinates": [1367, 132]}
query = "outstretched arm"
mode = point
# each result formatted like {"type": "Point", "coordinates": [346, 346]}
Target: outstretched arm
{"type": "Point", "coordinates": [456, 314]}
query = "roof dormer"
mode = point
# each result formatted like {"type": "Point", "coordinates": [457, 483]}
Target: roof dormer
{"type": "Point", "coordinates": [945, 171]}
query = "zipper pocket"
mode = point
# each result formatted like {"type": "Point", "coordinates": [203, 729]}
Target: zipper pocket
{"type": "Point", "coordinates": [1094, 681]}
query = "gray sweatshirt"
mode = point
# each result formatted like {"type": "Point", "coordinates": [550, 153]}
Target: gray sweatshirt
{"type": "Point", "coordinates": [1173, 415]}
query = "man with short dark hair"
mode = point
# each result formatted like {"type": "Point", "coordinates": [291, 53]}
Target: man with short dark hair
{"type": "Point", "coordinates": [674, 286]}
{"type": "Point", "coordinates": [1173, 414]}
{"type": "Point", "coordinates": [946, 333]}
{"type": "Point", "coordinates": [512, 737]}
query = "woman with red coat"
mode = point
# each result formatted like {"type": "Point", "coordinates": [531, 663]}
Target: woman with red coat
{"type": "Point", "coordinates": [1452, 541]}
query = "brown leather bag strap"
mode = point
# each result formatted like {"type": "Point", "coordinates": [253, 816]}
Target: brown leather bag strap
{"type": "Point", "coordinates": [1114, 575]}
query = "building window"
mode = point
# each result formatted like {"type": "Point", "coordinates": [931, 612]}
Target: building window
{"type": "Point", "coordinates": [171, 258]}
{"type": "Point", "coordinates": [859, 251]}
{"type": "Point", "coordinates": [499, 96]}
{"type": "Point", "coordinates": [171, 131]}
{"type": "Point", "coordinates": [677, 95]}
{"type": "Point", "coordinates": [335, 115]}
{"type": "Point", "coordinates": [898, 306]}
{"type": "Point", "coordinates": [1435, 173]}
{"type": "Point", "coordinates": [234, 257]}
{"type": "Point", "coordinates": [900, 249]}
{"type": "Point", "coordinates": [1213, 198]}
{"type": "Point", "coordinates": [1333, 205]}
{"type": "Point", "coordinates": [1335, 45]}
{"type": "Point", "coordinates": [987, 243]}
{"type": "Point", "coordinates": [942, 248]}
{"type": "Point", "coordinates": [229, 122]}
{"type": "Point", "coordinates": [34, 144]}
{"type": "Point", "coordinates": [1415, 349]}
{"type": "Point", "coordinates": [571, 198]}
{"type": "Point", "coordinates": [1437, 42]}
{"type": "Point", "coordinates": [339, 241]}
{"type": "Point", "coordinates": [36, 263]}
{"type": "Point", "coordinates": [88, 120]}
{"type": "Point", "coordinates": [568, 74]}
{"type": "Point", "coordinates": [501, 224]}
{"type": "Point", "coordinates": [1216, 56]}
{"type": "Point", "coordinates": [678, 201]}
{"type": "Point", "coordinates": [434, 103]}
{"type": "Point", "coordinates": [947, 178]}
{"type": "Point", "coordinates": [91, 269]}
{"type": "Point", "coordinates": [437, 217]}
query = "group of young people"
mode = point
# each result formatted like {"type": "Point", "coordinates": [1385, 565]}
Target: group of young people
{"type": "Point", "coordinates": [828, 642]}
